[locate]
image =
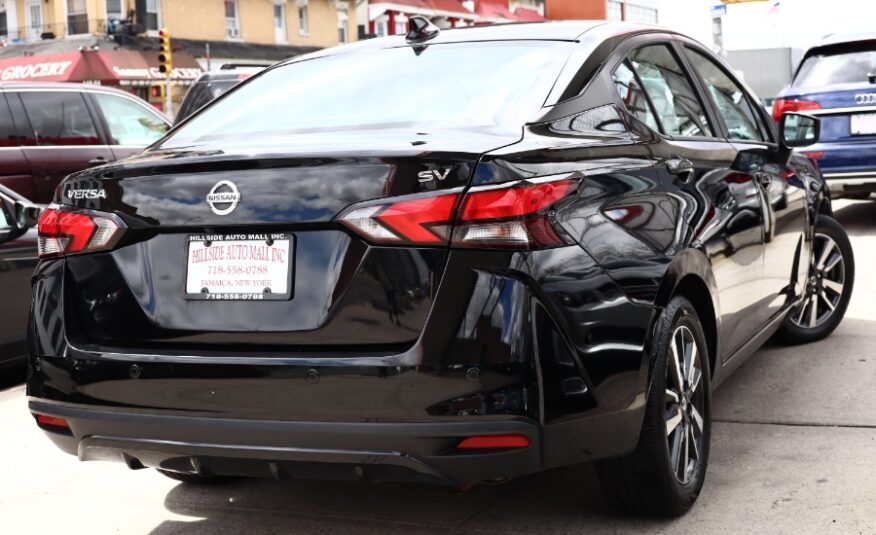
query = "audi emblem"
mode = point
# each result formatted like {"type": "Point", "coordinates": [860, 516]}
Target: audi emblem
{"type": "Point", "coordinates": [865, 98]}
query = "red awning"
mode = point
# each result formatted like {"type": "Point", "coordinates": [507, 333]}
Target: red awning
{"type": "Point", "coordinates": [105, 66]}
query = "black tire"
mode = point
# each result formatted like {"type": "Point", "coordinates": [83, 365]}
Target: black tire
{"type": "Point", "coordinates": [647, 482]}
{"type": "Point", "coordinates": [193, 479]}
{"type": "Point", "coordinates": [799, 327]}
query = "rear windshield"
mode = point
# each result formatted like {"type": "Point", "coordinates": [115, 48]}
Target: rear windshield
{"type": "Point", "coordinates": [463, 84]}
{"type": "Point", "coordinates": [202, 93]}
{"type": "Point", "coordinates": [841, 67]}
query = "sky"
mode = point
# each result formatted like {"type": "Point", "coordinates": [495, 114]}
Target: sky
{"type": "Point", "coordinates": [795, 23]}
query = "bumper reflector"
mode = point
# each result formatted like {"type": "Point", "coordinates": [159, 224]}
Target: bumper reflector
{"type": "Point", "coordinates": [44, 420]}
{"type": "Point", "coordinates": [493, 442]}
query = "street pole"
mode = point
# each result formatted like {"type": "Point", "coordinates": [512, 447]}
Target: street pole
{"type": "Point", "coordinates": [168, 98]}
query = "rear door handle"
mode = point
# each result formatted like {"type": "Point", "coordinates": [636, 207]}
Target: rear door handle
{"type": "Point", "coordinates": [100, 160]}
{"type": "Point", "coordinates": [680, 167]}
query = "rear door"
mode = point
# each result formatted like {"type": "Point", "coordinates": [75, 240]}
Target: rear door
{"type": "Point", "coordinates": [783, 193]}
{"type": "Point", "coordinates": [696, 163]}
{"type": "Point", "coordinates": [14, 167]}
{"type": "Point", "coordinates": [62, 137]}
{"type": "Point", "coordinates": [129, 125]}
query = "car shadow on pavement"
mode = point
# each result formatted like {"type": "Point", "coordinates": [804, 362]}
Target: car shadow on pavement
{"type": "Point", "coordinates": [560, 498]}
{"type": "Point", "coordinates": [857, 217]}
{"type": "Point", "coordinates": [12, 376]}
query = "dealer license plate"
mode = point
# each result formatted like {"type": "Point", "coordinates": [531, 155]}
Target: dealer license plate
{"type": "Point", "coordinates": [242, 267]}
{"type": "Point", "coordinates": [863, 124]}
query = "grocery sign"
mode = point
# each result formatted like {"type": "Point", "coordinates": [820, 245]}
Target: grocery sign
{"type": "Point", "coordinates": [97, 66]}
{"type": "Point", "coordinates": [36, 70]}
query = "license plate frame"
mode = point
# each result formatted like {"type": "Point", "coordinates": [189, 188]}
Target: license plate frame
{"type": "Point", "coordinates": [265, 247]}
{"type": "Point", "coordinates": [866, 129]}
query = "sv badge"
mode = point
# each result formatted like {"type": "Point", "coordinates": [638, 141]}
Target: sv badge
{"type": "Point", "coordinates": [428, 176]}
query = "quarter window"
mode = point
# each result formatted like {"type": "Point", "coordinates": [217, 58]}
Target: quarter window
{"type": "Point", "coordinates": [630, 90]}
{"type": "Point", "coordinates": [59, 118]}
{"type": "Point", "coordinates": [128, 122]}
{"type": "Point", "coordinates": [734, 107]}
{"type": "Point", "coordinates": [673, 98]}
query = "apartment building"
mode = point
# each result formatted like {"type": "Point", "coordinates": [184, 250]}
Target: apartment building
{"type": "Point", "coordinates": [114, 42]}
{"type": "Point", "coordinates": [314, 23]}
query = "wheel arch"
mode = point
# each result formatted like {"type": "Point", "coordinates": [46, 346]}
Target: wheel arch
{"type": "Point", "coordinates": [690, 275]}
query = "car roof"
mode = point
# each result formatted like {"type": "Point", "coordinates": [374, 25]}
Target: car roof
{"type": "Point", "coordinates": [67, 86]}
{"type": "Point", "coordinates": [570, 31]}
{"type": "Point", "coordinates": [839, 39]}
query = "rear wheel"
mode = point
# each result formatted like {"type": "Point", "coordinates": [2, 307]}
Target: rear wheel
{"type": "Point", "coordinates": [828, 289]}
{"type": "Point", "coordinates": [665, 473]}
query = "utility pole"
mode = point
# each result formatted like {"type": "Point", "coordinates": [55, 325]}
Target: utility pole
{"type": "Point", "coordinates": [165, 67]}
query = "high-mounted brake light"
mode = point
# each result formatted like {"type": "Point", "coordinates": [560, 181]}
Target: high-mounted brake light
{"type": "Point", "coordinates": [62, 232]}
{"type": "Point", "coordinates": [514, 215]}
{"type": "Point", "coordinates": [783, 105]}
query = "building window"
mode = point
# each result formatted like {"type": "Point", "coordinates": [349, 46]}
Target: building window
{"type": "Point", "coordinates": [342, 27]}
{"type": "Point", "coordinates": [302, 20]}
{"type": "Point", "coordinates": [232, 22]}
{"type": "Point", "coordinates": [114, 10]}
{"type": "Point", "coordinates": [615, 10]}
{"type": "Point", "coordinates": [4, 32]}
{"type": "Point", "coordinates": [641, 14]}
{"type": "Point", "coordinates": [77, 17]}
{"type": "Point", "coordinates": [380, 28]}
{"type": "Point", "coordinates": [401, 27]}
{"type": "Point", "coordinates": [279, 23]}
{"type": "Point", "coordinates": [152, 15]}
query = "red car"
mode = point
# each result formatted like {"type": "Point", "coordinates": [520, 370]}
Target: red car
{"type": "Point", "coordinates": [48, 131]}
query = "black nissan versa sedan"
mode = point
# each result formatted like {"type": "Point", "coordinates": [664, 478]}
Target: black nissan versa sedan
{"type": "Point", "coordinates": [451, 256]}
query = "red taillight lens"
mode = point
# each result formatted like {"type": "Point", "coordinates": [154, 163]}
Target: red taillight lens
{"type": "Point", "coordinates": [62, 232]}
{"type": "Point", "coordinates": [508, 216]}
{"type": "Point", "coordinates": [493, 442]}
{"type": "Point", "coordinates": [511, 216]}
{"type": "Point", "coordinates": [51, 421]}
{"type": "Point", "coordinates": [782, 105]}
{"type": "Point", "coordinates": [420, 220]}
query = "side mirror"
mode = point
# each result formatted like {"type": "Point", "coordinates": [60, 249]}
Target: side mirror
{"type": "Point", "coordinates": [17, 214]}
{"type": "Point", "coordinates": [798, 130]}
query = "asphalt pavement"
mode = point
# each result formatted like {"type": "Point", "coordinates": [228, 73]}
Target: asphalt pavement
{"type": "Point", "coordinates": [793, 451]}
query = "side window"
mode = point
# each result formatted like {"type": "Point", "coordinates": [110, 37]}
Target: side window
{"type": "Point", "coordinates": [59, 118]}
{"type": "Point", "coordinates": [674, 100]}
{"type": "Point", "coordinates": [128, 122]}
{"type": "Point", "coordinates": [634, 98]}
{"type": "Point", "coordinates": [8, 133]}
{"type": "Point", "coordinates": [733, 105]}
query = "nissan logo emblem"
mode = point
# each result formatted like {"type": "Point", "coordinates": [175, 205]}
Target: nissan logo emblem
{"type": "Point", "coordinates": [223, 197]}
{"type": "Point", "coordinates": [865, 98]}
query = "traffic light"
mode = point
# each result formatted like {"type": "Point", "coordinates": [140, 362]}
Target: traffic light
{"type": "Point", "coordinates": [165, 56]}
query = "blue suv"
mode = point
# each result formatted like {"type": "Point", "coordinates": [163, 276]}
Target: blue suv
{"type": "Point", "coordinates": [837, 82]}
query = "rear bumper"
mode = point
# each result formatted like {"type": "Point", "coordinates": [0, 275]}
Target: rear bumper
{"type": "Point", "coordinates": [285, 449]}
{"type": "Point", "coordinates": [851, 182]}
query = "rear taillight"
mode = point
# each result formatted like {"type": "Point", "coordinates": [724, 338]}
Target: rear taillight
{"type": "Point", "coordinates": [62, 232]}
{"type": "Point", "coordinates": [511, 216]}
{"type": "Point", "coordinates": [783, 105]}
{"type": "Point", "coordinates": [515, 215]}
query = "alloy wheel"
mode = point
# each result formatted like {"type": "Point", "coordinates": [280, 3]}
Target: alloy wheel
{"type": "Point", "coordinates": [824, 289]}
{"type": "Point", "coordinates": [684, 407]}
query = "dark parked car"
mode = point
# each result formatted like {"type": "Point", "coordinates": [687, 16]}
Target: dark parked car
{"type": "Point", "coordinates": [532, 246]}
{"type": "Point", "coordinates": [836, 81]}
{"type": "Point", "coordinates": [48, 131]}
{"type": "Point", "coordinates": [212, 85]}
{"type": "Point", "coordinates": [18, 256]}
